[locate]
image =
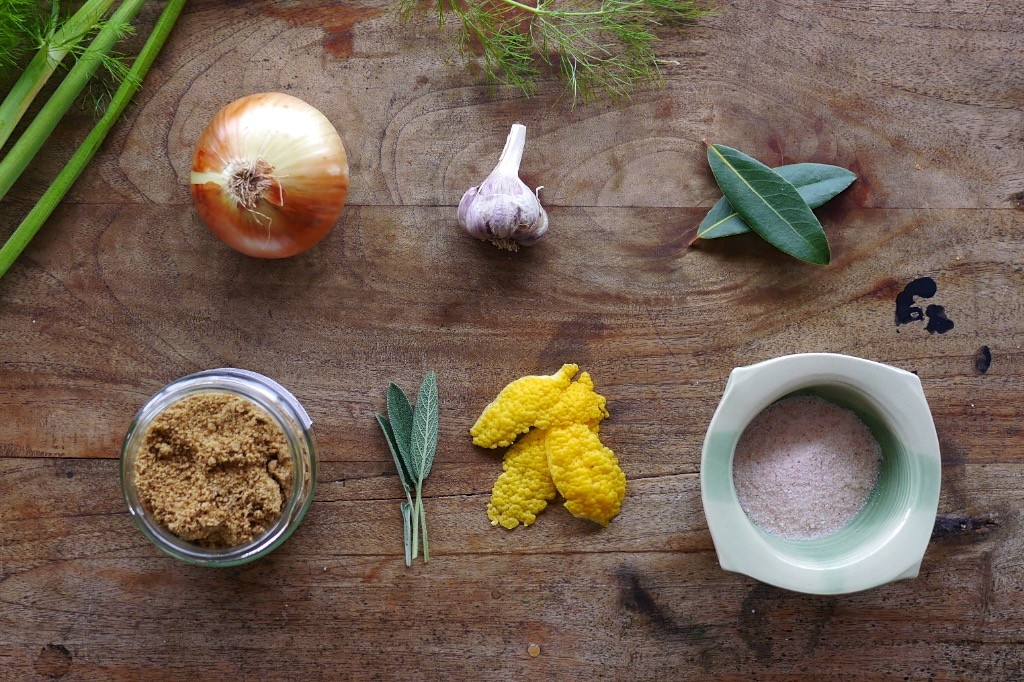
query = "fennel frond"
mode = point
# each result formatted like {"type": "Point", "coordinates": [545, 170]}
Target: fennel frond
{"type": "Point", "coordinates": [593, 45]}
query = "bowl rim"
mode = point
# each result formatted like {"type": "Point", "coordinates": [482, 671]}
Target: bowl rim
{"type": "Point", "coordinates": [742, 548]}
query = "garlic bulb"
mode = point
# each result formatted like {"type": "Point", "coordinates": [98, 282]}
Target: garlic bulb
{"type": "Point", "coordinates": [502, 209]}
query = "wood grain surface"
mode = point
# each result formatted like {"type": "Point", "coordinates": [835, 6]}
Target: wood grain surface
{"type": "Point", "coordinates": [125, 291]}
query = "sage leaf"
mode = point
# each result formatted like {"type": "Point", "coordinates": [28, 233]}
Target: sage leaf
{"type": "Point", "coordinates": [815, 182]}
{"type": "Point", "coordinates": [411, 433]}
{"type": "Point", "coordinates": [769, 204]}
{"type": "Point", "coordinates": [400, 416]}
{"type": "Point", "coordinates": [424, 428]}
{"type": "Point", "coordinates": [404, 475]}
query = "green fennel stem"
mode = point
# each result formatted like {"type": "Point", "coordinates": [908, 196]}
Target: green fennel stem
{"type": "Point", "coordinates": [76, 165]}
{"type": "Point", "coordinates": [28, 145]}
{"type": "Point", "coordinates": [46, 60]}
{"type": "Point", "coordinates": [541, 10]}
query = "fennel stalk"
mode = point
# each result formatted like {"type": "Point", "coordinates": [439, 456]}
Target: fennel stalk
{"type": "Point", "coordinates": [76, 165]}
{"type": "Point", "coordinates": [55, 43]}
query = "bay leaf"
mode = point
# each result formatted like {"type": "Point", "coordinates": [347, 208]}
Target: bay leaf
{"type": "Point", "coordinates": [815, 182]}
{"type": "Point", "coordinates": [769, 204]}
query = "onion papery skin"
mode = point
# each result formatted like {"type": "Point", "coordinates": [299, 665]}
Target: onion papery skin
{"type": "Point", "coordinates": [304, 175]}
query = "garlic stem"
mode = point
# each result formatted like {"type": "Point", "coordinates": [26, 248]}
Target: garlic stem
{"type": "Point", "coordinates": [512, 154]}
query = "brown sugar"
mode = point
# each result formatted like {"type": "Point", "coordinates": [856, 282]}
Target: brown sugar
{"type": "Point", "coordinates": [215, 469]}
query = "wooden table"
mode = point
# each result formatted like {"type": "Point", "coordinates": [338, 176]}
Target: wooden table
{"type": "Point", "coordinates": [125, 291]}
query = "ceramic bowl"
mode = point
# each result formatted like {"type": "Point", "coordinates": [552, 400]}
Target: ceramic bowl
{"type": "Point", "coordinates": [887, 539]}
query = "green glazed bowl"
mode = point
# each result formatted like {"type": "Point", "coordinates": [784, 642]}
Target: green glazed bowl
{"type": "Point", "coordinates": [887, 539]}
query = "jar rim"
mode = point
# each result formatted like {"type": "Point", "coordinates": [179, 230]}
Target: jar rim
{"type": "Point", "coordinates": [282, 406]}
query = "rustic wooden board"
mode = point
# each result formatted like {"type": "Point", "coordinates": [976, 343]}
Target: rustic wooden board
{"type": "Point", "coordinates": [124, 291]}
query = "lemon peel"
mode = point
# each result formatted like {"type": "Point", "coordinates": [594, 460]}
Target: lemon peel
{"type": "Point", "coordinates": [525, 486]}
{"type": "Point", "coordinates": [585, 472]}
{"type": "Point", "coordinates": [578, 404]}
{"type": "Point", "coordinates": [560, 453]}
{"type": "Point", "coordinates": [519, 406]}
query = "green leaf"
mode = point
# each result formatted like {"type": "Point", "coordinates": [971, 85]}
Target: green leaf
{"type": "Point", "coordinates": [400, 416]}
{"type": "Point", "coordinates": [769, 204]}
{"type": "Point", "coordinates": [412, 434]}
{"type": "Point", "coordinates": [389, 435]}
{"type": "Point", "coordinates": [815, 182]}
{"type": "Point", "coordinates": [424, 428]}
{"type": "Point", "coordinates": [721, 221]}
{"type": "Point", "coordinates": [407, 531]}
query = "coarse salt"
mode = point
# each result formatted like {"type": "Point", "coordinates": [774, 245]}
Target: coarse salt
{"type": "Point", "coordinates": [805, 467]}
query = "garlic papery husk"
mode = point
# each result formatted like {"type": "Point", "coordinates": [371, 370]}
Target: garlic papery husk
{"type": "Point", "coordinates": [502, 209]}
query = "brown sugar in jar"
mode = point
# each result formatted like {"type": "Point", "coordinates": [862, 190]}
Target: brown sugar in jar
{"type": "Point", "coordinates": [215, 469]}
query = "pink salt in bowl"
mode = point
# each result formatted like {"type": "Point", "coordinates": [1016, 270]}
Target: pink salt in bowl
{"type": "Point", "coordinates": [886, 540]}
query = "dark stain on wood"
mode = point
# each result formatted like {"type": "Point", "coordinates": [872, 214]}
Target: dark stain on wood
{"type": "Point", "coordinates": [775, 145]}
{"type": "Point", "coordinates": [336, 20]}
{"type": "Point", "coordinates": [820, 619]}
{"type": "Point", "coordinates": [749, 247]}
{"type": "Point", "coordinates": [982, 360]}
{"type": "Point", "coordinates": [452, 314]}
{"type": "Point", "coordinates": [987, 583]}
{"type": "Point", "coordinates": [884, 290]}
{"type": "Point", "coordinates": [906, 311]}
{"type": "Point", "coordinates": [53, 662]}
{"type": "Point", "coordinates": [954, 466]}
{"type": "Point", "coordinates": [770, 616]}
{"type": "Point", "coordinates": [860, 194]}
{"type": "Point", "coordinates": [633, 596]}
{"type": "Point", "coordinates": [373, 575]}
{"type": "Point", "coordinates": [571, 341]}
{"type": "Point", "coordinates": [938, 323]}
{"type": "Point", "coordinates": [960, 526]}
{"type": "Point", "coordinates": [754, 628]}
{"type": "Point", "coordinates": [660, 257]}
{"type": "Point", "coordinates": [1017, 198]}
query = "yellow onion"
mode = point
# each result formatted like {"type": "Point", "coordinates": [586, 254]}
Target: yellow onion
{"type": "Point", "coordinates": [270, 175]}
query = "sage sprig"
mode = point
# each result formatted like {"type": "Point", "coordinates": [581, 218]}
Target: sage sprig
{"type": "Point", "coordinates": [815, 182]}
{"type": "Point", "coordinates": [411, 434]}
{"type": "Point", "coordinates": [769, 204]}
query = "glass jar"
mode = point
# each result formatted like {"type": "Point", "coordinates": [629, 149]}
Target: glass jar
{"type": "Point", "coordinates": [280, 404]}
